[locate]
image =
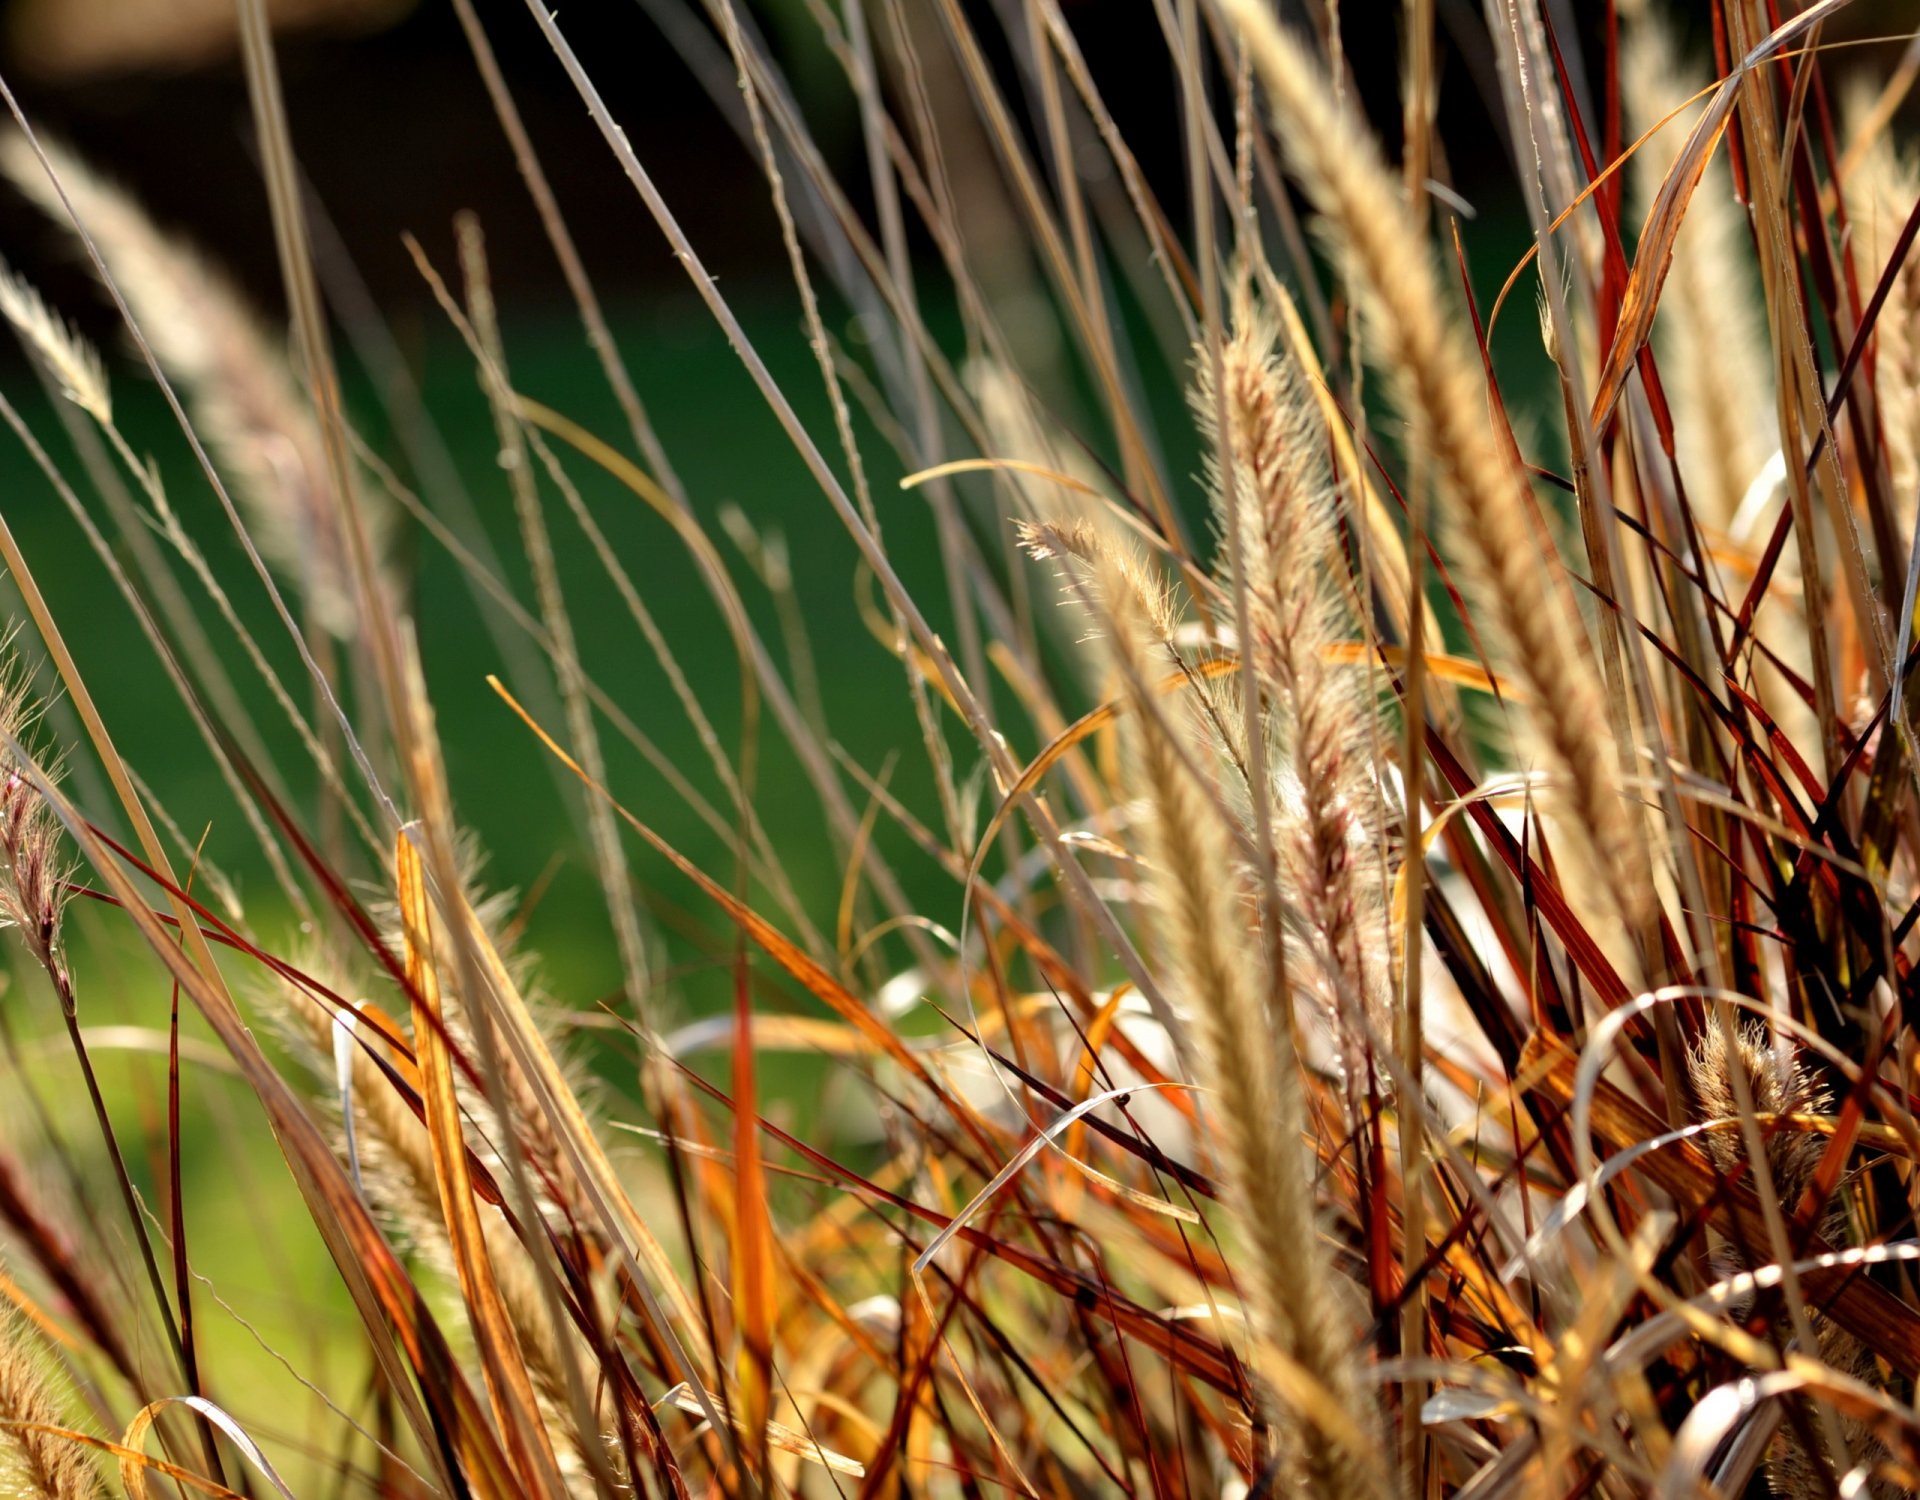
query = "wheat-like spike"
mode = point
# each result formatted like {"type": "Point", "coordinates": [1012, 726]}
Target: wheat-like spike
{"type": "Point", "coordinates": [1098, 561]}
{"type": "Point", "coordinates": [1880, 193]}
{"type": "Point", "coordinates": [35, 1461]}
{"type": "Point", "coordinates": [1438, 386]}
{"type": "Point", "coordinates": [34, 864]}
{"type": "Point", "coordinates": [1326, 808]}
{"type": "Point", "coordinates": [71, 360]}
{"type": "Point", "coordinates": [1017, 430]}
{"type": "Point", "coordinates": [1779, 1084]}
{"type": "Point", "coordinates": [1715, 366]}
{"type": "Point", "coordinates": [1259, 1116]}
{"type": "Point", "coordinates": [243, 397]}
{"type": "Point", "coordinates": [1324, 1430]}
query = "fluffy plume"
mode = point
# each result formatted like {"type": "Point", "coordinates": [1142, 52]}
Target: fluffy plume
{"type": "Point", "coordinates": [1101, 567]}
{"type": "Point", "coordinates": [244, 400]}
{"type": "Point", "coordinates": [1518, 593]}
{"type": "Point", "coordinates": [1780, 1084]}
{"type": "Point", "coordinates": [1328, 822]}
{"type": "Point", "coordinates": [71, 360]}
{"type": "Point", "coordinates": [33, 865]}
{"type": "Point", "coordinates": [1321, 1427]}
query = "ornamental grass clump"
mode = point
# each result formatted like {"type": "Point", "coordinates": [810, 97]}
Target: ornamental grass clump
{"type": "Point", "coordinates": [1345, 927]}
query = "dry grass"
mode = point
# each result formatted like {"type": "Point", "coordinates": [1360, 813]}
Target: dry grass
{"type": "Point", "coordinates": [1415, 1009]}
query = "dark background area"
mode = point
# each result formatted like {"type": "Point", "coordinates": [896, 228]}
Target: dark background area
{"type": "Point", "coordinates": [395, 131]}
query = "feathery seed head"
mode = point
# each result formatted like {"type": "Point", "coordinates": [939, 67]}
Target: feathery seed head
{"type": "Point", "coordinates": [245, 402]}
{"type": "Point", "coordinates": [70, 359]}
{"type": "Point", "coordinates": [1779, 1083]}
{"type": "Point", "coordinates": [36, 1460]}
{"type": "Point", "coordinates": [1105, 573]}
{"type": "Point", "coordinates": [1271, 483]}
{"type": "Point", "coordinates": [34, 867]}
{"type": "Point", "coordinates": [1519, 589]}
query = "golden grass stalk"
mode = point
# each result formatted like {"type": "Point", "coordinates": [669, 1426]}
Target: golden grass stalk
{"type": "Point", "coordinates": [242, 395]}
{"type": "Point", "coordinates": [1436, 383]}
{"type": "Point", "coordinates": [1322, 1429]}
{"type": "Point", "coordinates": [36, 1459]}
{"type": "Point", "coordinates": [1326, 808]}
{"type": "Point", "coordinates": [1259, 1118]}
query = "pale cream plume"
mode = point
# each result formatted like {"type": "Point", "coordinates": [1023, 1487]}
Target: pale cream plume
{"type": "Point", "coordinates": [1518, 592]}
{"type": "Point", "coordinates": [244, 401]}
{"type": "Point", "coordinates": [1327, 814]}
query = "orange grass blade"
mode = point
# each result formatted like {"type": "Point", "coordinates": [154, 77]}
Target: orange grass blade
{"type": "Point", "coordinates": [752, 1248]}
{"type": "Point", "coordinates": [1171, 1339]}
{"type": "Point", "coordinates": [506, 1373]}
{"type": "Point", "coordinates": [132, 1462]}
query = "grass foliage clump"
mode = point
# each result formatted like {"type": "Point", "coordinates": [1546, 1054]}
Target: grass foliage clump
{"type": "Point", "coordinates": [1381, 963]}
